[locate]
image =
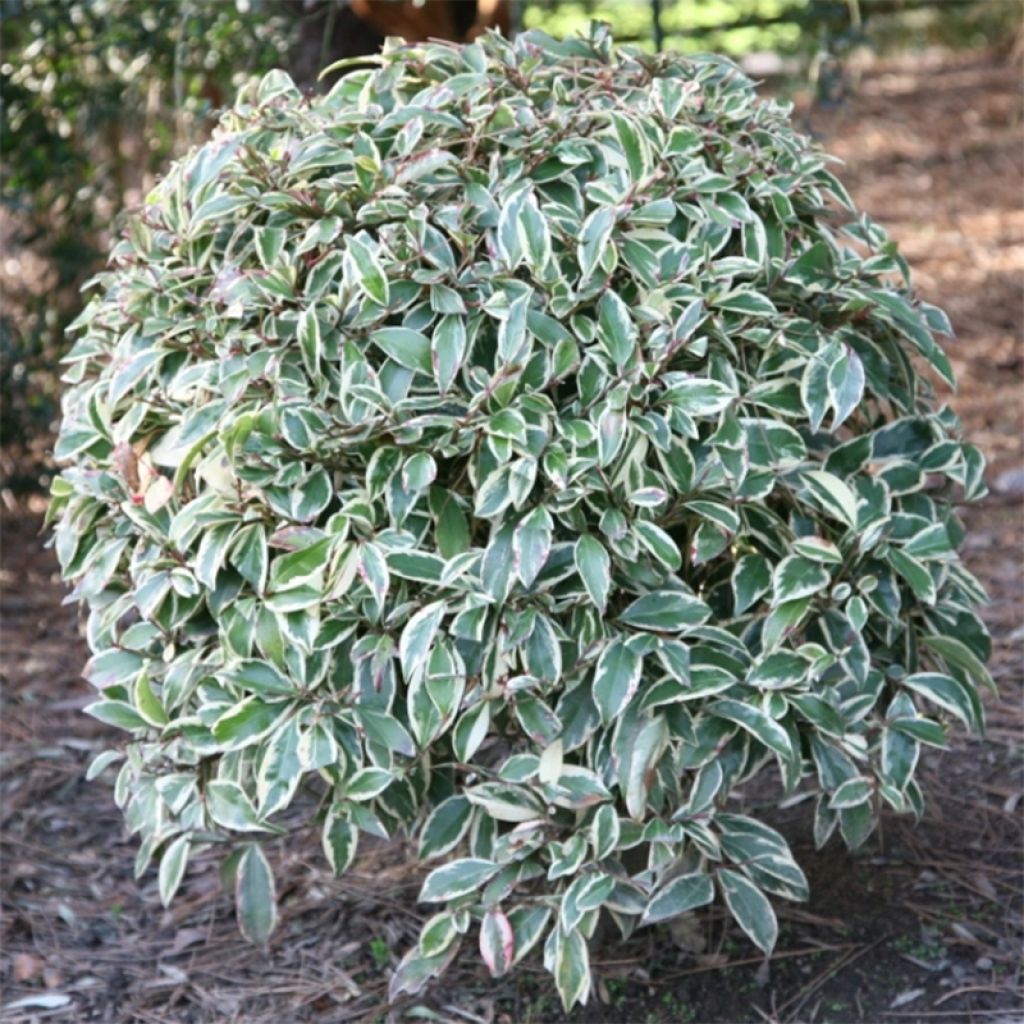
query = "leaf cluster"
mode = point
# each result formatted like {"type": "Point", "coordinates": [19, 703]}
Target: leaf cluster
{"type": "Point", "coordinates": [524, 445]}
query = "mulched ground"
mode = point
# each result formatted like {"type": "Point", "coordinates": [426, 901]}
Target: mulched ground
{"type": "Point", "coordinates": [923, 924]}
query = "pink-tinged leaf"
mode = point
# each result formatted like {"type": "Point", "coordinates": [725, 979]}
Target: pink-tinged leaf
{"type": "Point", "coordinates": [497, 942]}
{"type": "Point", "coordinates": [421, 164]}
{"type": "Point", "coordinates": [295, 538]}
{"type": "Point", "coordinates": [159, 492]}
{"type": "Point", "coordinates": [126, 462]}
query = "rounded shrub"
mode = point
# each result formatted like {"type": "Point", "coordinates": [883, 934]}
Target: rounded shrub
{"type": "Point", "coordinates": [525, 445]}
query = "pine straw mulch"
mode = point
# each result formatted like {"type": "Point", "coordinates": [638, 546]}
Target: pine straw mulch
{"type": "Point", "coordinates": [924, 924]}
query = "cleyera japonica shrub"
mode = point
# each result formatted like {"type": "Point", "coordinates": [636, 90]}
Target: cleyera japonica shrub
{"type": "Point", "coordinates": [523, 446]}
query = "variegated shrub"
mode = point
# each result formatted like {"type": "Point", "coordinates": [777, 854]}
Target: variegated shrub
{"type": "Point", "coordinates": [523, 445]}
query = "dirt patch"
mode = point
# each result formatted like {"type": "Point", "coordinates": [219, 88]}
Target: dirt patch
{"type": "Point", "coordinates": [924, 924]}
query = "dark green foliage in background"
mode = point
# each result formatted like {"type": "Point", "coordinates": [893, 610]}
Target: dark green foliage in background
{"type": "Point", "coordinates": [95, 97]}
{"type": "Point", "coordinates": [789, 27]}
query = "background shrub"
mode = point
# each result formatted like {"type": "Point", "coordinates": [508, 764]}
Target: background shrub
{"type": "Point", "coordinates": [525, 445]}
{"type": "Point", "coordinates": [95, 98]}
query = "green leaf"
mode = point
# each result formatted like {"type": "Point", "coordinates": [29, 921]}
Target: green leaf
{"type": "Point", "coordinates": [586, 892]}
{"type": "Point", "coordinates": [856, 824]}
{"type": "Point", "coordinates": [616, 678]}
{"type": "Point", "coordinates": [269, 242]}
{"type": "Point", "coordinates": [416, 565]}
{"type": "Point", "coordinates": [452, 528]}
{"type": "Point", "coordinates": [567, 857]}
{"type": "Point", "coordinates": [634, 145]}
{"type": "Point", "coordinates": [683, 893]}
{"type": "Point", "coordinates": [834, 495]}
{"type": "Point", "coordinates": [147, 702]}
{"type": "Point", "coordinates": [637, 770]}
{"type": "Point", "coordinates": [757, 723]}
{"type": "Point", "coordinates": [594, 237]}
{"type": "Point", "coordinates": [666, 611]}
{"type": "Point", "coordinates": [508, 423]}
{"type": "Point", "coordinates": [448, 347]}
{"type": "Point", "coordinates": [255, 896]}
{"type": "Point", "coordinates": [528, 925]}
{"type": "Point", "coordinates": [509, 235]}
{"type": "Point", "coordinates": [612, 431]}
{"type": "Point", "coordinates": [456, 878]}
{"type": "Point", "coordinates": [438, 934]}
{"type": "Point", "coordinates": [615, 328]}
{"type": "Point", "coordinates": [417, 638]}
{"type": "Point", "coordinates": [783, 620]}
{"type": "Point", "coordinates": [699, 396]}
{"type": "Point", "coordinates": [817, 549]}
{"type": "Point", "coordinates": [531, 544]}
{"type": "Point", "coordinates": [851, 793]}
{"type": "Point", "coordinates": [915, 574]}
{"type": "Point", "coordinates": [751, 909]}
{"type": "Point", "coordinates": [173, 862]}
{"type": "Point", "coordinates": [280, 770]}
{"type": "Point", "coordinates": [930, 543]}
{"type": "Point", "coordinates": [471, 730]}
{"type": "Point", "coordinates": [259, 678]}
{"type": "Point", "coordinates": [947, 693]}
{"type": "Point", "coordinates": [300, 567]}
{"type": "Point", "coordinates": [368, 783]}
{"type": "Point", "coordinates": [958, 654]}
{"type": "Point", "coordinates": [924, 730]}
{"type": "Point", "coordinates": [751, 579]}
{"type": "Point", "coordinates": [231, 808]}
{"type": "Point", "coordinates": [419, 472]}
{"type": "Point", "coordinates": [779, 670]}
{"type": "Point", "coordinates": [660, 545]}
{"type": "Point", "coordinates": [813, 266]}
{"type": "Point", "coordinates": [385, 729]}
{"type": "Point", "coordinates": [113, 667]}
{"type": "Point", "coordinates": [101, 762]}
{"type": "Point", "coordinates": [814, 389]}
{"type": "Point", "coordinates": [247, 723]}
{"type": "Point", "coordinates": [370, 277]}
{"type": "Point", "coordinates": [310, 341]}
{"type": "Point", "coordinates": [512, 334]}
{"type": "Point", "coordinates": [747, 303]}
{"type": "Point", "coordinates": [340, 841]}
{"type": "Point", "coordinates": [909, 322]}
{"type": "Point", "coordinates": [772, 445]}
{"type": "Point", "coordinates": [845, 386]}
{"type": "Point", "coordinates": [217, 207]}
{"type": "Point", "coordinates": [605, 831]}
{"type": "Point", "coordinates": [594, 567]}
{"type": "Point", "coordinates": [445, 827]}
{"type": "Point", "coordinates": [534, 234]}
{"type": "Point", "coordinates": [249, 555]}
{"type": "Point", "coordinates": [900, 754]}
{"type": "Point", "coordinates": [505, 802]}
{"type": "Point", "coordinates": [494, 496]}
{"type": "Point", "coordinates": [572, 969]}
{"type": "Point", "coordinates": [424, 164]}
{"type": "Point", "coordinates": [797, 577]}
{"type": "Point", "coordinates": [415, 970]}
{"type": "Point", "coordinates": [408, 348]}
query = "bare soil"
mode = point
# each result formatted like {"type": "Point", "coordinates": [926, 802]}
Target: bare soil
{"type": "Point", "coordinates": [924, 924]}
